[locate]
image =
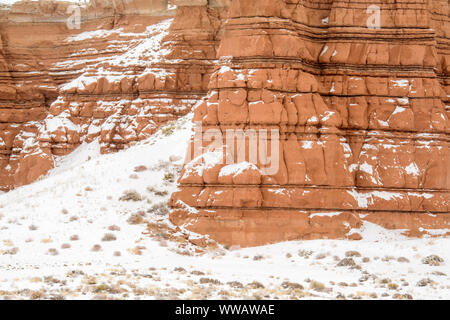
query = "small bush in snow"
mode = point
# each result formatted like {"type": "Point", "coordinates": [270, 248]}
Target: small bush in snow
{"type": "Point", "coordinates": [235, 284]}
{"type": "Point", "coordinates": [37, 295]}
{"type": "Point", "coordinates": [305, 253]}
{"type": "Point", "coordinates": [109, 237]}
{"type": "Point", "coordinates": [405, 296]}
{"type": "Point", "coordinates": [159, 209]}
{"type": "Point", "coordinates": [101, 288]}
{"type": "Point", "coordinates": [317, 286]}
{"type": "Point", "coordinates": [32, 227]}
{"type": "Point", "coordinates": [135, 218]}
{"type": "Point", "coordinates": [433, 260]}
{"type": "Point", "coordinates": [11, 251]}
{"type": "Point", "coordinates": [130, 195]}
{"type": "Point", "coordinates": [255, 285]}
{"type": "Point", "coordinates": [160, 193]}
{"type": "Point", "coordinates": [387, 258]}
{"type": "Point", "coordinates": [117, 254]}
{"type": "Point", "coordinates": [168, 130]}
{"type": "Point", "coordinates": [65, 246]}
{"type": "Point", "coordinates": [209, 280]}
{"type": "Point", "coordinates": [74, 237]}
{"type": "Point", "coordinates": [321, 256]}
{"type": "Point", "coordinates": [53, 252]}
{"type": "Point", "coordinates": [258, 257]}
{"type": "Point", "coordinates": [292, 285]}
{"type": "Point", "coordinates": [424, 282]}
{"type": "Point", "coordinates": [392, 286]}
{"type": "Point", "coordinates": [169, 177]}
{"type": "Point", "coordinates": [114, 228]}
{"type": "Point", "coordinates": [352, 254]}
{"type": "Point", "coordinates": [346, 262]}
{"type": "Point", "coordinates": [402, 260]}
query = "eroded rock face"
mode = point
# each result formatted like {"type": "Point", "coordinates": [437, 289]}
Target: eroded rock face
{"type": "Point", "coordinates": [362, 116]}
{"type": "Point", "coordinates": [132, 66]}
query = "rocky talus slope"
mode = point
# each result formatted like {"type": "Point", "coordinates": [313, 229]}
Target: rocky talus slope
{"type": "Point", "coordinates": [362, 115]}
{"type": "Point", "coordinates": [132, 66]}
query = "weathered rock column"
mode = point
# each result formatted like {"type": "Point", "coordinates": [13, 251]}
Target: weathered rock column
{"type": "Point", "coordinates": [357, 114]}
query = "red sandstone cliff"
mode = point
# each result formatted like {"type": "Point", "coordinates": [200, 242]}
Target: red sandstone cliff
{"type": "Point", "coordinates": [362, 115]}
{"type": "Point", "coordinates": [133, 65]}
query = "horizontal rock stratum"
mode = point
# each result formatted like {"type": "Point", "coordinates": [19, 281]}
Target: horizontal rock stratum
{"type": "Point", "coordinates": [361, 113]}
{"type": "Point", "coordinates": [127, 68]}
{"type": "Point", "coordinates": [340, 109]}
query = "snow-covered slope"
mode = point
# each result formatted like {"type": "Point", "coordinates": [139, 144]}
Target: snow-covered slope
{"type": "Point", "coordinates": [126, 249]}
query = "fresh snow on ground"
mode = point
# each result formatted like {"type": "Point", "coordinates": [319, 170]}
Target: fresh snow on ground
{"type": "Point", "coordinates": [40, 258]}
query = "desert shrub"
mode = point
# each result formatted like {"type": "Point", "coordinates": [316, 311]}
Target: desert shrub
{"type": "Point", "coordinates": [321, 256]}
{"type": "Point", "coordinates": [393, 286]}
{"type": "Point", "coordinates": [167, 131]}
{"type": "Point", "coordinates": [400, 296]}
{"type": "Point", "coordinates": [53, 252]}
{"type": "Point", "coordinates": [255, 285]}
{"type": "Point", "coordinates": [109, 237]}
{"type": "Point", "coordinates": [305, 253]}
{"type": "Point", "coordinates": [346, 262]}
{"type": "Point", "coordinates": [403, 260]}
{"type": "Point", "coordinates": [433, 260]}
{"type": "Point", "coordinates": [159, 209]}
{"type": "Point", "coordinates": [291, 285]}
{"type": "Point", "coordinates": [169, 177]}
{"type": "Point", "coordinates": [317, 286]}
{"type": "Point", "coordinates": [209, 280]}
{"type": "Point", "coordinates": [135, 218]}
{"type": "Point", "coordinates": [352, 254]}
{"type": "Point", "coordinates": [11, 251]}
{"type": "Point", "coordinates": [130, 195]}
{"type": "Point", "coordinates": [424, 282]}
{"type": "Point", "coordinates": [235, 284]}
